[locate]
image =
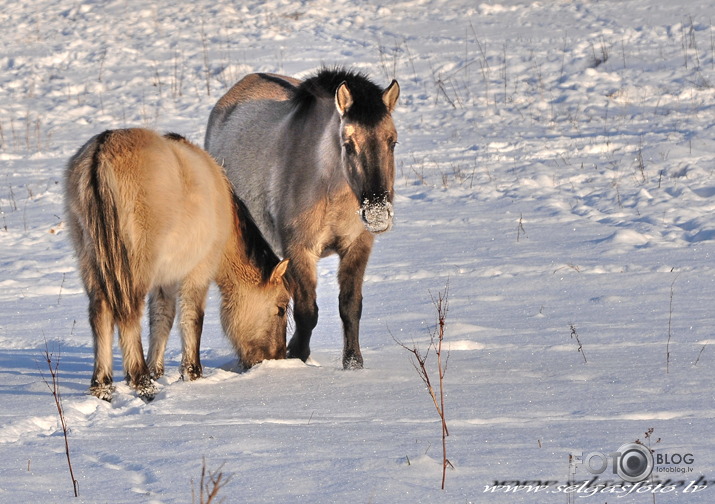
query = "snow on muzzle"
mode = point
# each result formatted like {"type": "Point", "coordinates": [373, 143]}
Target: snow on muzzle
{"type": "Point", "coordinates": [376, 214]}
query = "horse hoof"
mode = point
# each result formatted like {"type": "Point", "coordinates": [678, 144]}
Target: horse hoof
{"type": "Point", "coordinates": [147, 393]}
{"type": "Point", "coordinates": [156, 373]}
{"type": "Point", "coordinates": [352, 363]}
{"type": "Point", "coordinates": [297, 353]}
{"type": "Point", "coordinates": [146, 388]}
{"type": "Point", "coordinates": [191, 372]}
{"type": "Point", "coordinates": [103, 391]}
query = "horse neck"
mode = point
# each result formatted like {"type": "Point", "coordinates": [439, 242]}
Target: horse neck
{"type": "Point", "coordinates": [243, 294]}
{"type": "Point", "coordinates": [324, 128]}
{"type": "Point", "coordinates": [237, 269]}
{"type": "Point", "coordinates": [237, 280]}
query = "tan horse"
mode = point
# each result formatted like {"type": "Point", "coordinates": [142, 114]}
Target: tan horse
{"type": "Point", "coordinates": [313, 161]}
{"type": "Point", "coordinates": [151, 214]}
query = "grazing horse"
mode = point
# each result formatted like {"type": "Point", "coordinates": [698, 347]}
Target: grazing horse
{"type": "Point", "coordinates": [151, 214]}
{"type": "Point", "coordinates": [314, 162]}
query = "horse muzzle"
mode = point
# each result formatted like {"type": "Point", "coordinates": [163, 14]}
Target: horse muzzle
{"type": "Point", "coordinates": [376, 215]}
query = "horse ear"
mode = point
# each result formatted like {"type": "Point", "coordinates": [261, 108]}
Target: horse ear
{"type": "Point", "coordinates": [343, 99]}
{"type": "Point", "coordinates": [390, 95]}
{"type": "Point", "coordinates": [279, 271]}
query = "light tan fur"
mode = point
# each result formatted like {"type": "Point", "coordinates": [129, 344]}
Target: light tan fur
{"type": "Point", "coordinates": [155, 215]}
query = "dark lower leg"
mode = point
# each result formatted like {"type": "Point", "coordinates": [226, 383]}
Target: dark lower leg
{"type": "Point", "coordinates": [353, 263]}
{"type": "Point", "coordinates": [305, 314]}
{"type": "Point", "coordinates": [162, 310]}
{"type": "Point", "coordinates": [135, 368]}
{"type": "Point", "coordinates": [192, 302]}
{"type": "Point", "coordinates": [102, 323]}
{"type": "Point", "coordinates": [303, 280]}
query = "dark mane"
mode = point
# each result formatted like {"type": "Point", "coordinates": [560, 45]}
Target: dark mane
{"type": "Point", "coordinates": [258, 250]}
{"type": "Point", "coordinates": [175, 137]}
{"type": "Point", "coordinates": [277, 80]}
{"type": "Point", "coordinates": [368, 108]}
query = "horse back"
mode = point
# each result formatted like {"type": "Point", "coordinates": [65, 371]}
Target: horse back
{"type": "Point", "coordinates": [259, 86]}
{"type": "Point", "coordinates": [189, 210]}
{"type": "Point", "coordinates": [253, 87]}
{"type": "Point", "coordinates": [144, 210]}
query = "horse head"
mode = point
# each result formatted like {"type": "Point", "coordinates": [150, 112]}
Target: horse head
{"type": "Point", "coordinates": [255, 319]}
{"type": "Point", "coordinates": [368, 138]}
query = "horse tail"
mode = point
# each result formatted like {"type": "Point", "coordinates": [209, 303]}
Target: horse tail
{"type": "Point", "coordinates": [108, 265]}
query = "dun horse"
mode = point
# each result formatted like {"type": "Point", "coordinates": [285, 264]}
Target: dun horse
{"type": "Point", "coordinates": [313, 160]}
{"type": "Point", "coordinates": [151, 214]}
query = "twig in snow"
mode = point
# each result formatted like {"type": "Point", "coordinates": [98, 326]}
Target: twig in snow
{"type": "Point", "coordinates": [207, 66]}
{"type": "Point", "coordinates": [59, 296]}
{"type": "Point", "coordinates": [54, 385]}
{"type": "Point", "coordinates": [211, 483]}
{"type": "Point", "coordinates": [419, 363]}
{"type": "Point", "coordinates": [670, 326]}
{"type": "Point", "coordinates": [699, 354]}
{"type": "Point", "coordinates": [520, 228]}
{"type": "Point", "coordinates": [574, 335]}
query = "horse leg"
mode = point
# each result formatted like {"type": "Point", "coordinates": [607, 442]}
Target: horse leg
{"type": "Point", "coordinates": [192, 303]}
{"type": "Point", "coordinates": [135, 368]}
{"type": "Point", "coordinates": [303, 278]}
{"type": "Point", "coordinates": [353, 262]}
{"type": "Point", "coordinates": [102, 323]}
{"type": "Point", "coordinates": [162, 310]}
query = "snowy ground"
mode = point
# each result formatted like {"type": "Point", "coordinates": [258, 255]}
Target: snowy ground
{"type": "Point", "coordinates": [556, 167]}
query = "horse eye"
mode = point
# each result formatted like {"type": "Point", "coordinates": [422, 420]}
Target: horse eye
{"type": "Point", "coordinates": [281, 311]}
{"type": "Point", "coordinates": [393, 144]}
{"type": "Point", "coordinates": [349, 147]}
